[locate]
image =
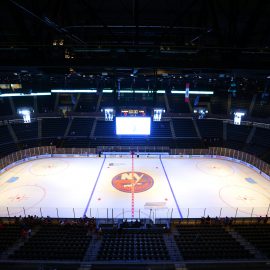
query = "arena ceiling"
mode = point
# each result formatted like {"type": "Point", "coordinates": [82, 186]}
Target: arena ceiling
{"type": "Point", "coordinates": [55, 41]}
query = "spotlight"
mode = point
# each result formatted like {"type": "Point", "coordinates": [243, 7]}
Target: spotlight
{"type": "Point", "coordinates": [201, 112]}
{"type": "Point", "coordinates": [109, 114]}
{"type": "Point", "coordinates": [157, 114]}
{"type": "Point", "coordinates": [238, 117]}
{"type": "Point", "coordinates": [26, 114]}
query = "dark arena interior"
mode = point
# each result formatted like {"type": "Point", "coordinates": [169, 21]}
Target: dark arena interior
{"type": "Point", "coordinates": [134, 134]}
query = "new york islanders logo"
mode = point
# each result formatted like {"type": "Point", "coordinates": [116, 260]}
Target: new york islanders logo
{"type": "Point", "coordinates": [125, 182]}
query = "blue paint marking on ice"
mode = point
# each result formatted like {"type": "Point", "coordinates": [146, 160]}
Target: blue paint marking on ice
{"type": "Point", "coordinates": [90, 198]}
{"type": "Point", "coordinates": [178, 208]}
{"type": "Point", "coordinates": [250, 180]}
{"type": "Point", "coordinates": [12, 179]}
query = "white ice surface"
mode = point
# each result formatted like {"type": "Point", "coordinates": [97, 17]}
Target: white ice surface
{"type": "Point", "coordinates": [214, 184]}
{"type": "Point", "coordinates": [62, 183]}
{"type": "Point", "coordinates": [56, 186]}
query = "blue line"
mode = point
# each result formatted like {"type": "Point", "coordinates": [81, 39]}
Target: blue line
{"type": "Point", "coordinates": [90, 198]}
{"type": "Point", "coordinates": [178, 208]}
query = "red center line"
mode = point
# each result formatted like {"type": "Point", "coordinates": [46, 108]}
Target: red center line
{"type": "Point", "coordinates": [132, 185]}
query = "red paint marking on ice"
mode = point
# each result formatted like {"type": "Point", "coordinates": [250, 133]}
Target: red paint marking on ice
{"type": "Point", "coordinates": [132, 185]}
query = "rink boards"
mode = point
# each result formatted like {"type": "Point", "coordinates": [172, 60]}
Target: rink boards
{"type": "Point", "coordinates": [159, 187]}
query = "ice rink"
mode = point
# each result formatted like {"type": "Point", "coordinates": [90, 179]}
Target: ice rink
{"type": "Point", "coordinates": [157, 188]}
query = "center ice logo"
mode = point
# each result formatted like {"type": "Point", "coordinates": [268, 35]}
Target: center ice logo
{"type": "Point", "coordinates": [126, 180]}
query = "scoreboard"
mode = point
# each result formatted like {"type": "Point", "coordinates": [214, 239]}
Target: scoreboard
{"type": "Point", "coordinates": [128, 125]}
{"type": "Point", "coordinates": [133, 121]}
{"type": "Point", "coordinates": [133, 112]}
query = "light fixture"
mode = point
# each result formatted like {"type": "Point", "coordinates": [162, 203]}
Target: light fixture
{"type": "Point", "coordinates": [74, 90]}
{"type": "Point", "coordinates": [201, 112]}
{"type": "Point", "coordinates": [193, 92]}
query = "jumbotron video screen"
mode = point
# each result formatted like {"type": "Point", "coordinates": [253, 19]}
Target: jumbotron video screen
{"type": "Point", "coordinates": [133, 125]}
